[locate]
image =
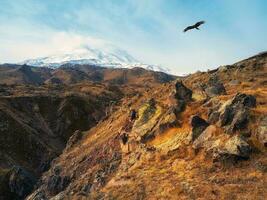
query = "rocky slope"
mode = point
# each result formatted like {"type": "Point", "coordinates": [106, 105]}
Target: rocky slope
{"type": "Point", "coordinates": [41, 109]}
{"type": "Point", "coordinates": [201, 137]}
{"type": "Point", "coordinates": [36, 123]}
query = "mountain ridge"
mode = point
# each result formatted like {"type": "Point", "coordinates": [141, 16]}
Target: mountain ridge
{"type": "Point", "coordinates": [113, 58]}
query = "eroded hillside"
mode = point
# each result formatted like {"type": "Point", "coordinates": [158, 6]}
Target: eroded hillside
{"type": "Point", "coordinates": [201, 137]}
{"type": "Point", "coordinates": [36, 122]}
{"type": "Point", "coordinates": [40, 109]}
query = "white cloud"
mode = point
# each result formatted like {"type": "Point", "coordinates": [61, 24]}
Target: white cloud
{"type": "Point", "coordinates": [18, 43]}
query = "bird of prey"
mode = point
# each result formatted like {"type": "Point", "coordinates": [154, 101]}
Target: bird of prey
{"type": "Point", "coordinates": [195, 26]}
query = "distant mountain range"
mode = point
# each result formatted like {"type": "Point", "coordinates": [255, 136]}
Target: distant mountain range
{"type": "Point", "coordinates": [110, 57]}
{"type": "Point", "coordinates": [76, 73]}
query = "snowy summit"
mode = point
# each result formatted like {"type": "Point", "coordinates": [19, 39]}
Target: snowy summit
{"type": "Point", "coordinates": [108, 56]}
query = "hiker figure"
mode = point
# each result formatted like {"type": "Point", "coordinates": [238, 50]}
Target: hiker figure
{"type": "Point", "coordinates": [124, 137]}
{"type": "Point", "coordinates": [133, 114]}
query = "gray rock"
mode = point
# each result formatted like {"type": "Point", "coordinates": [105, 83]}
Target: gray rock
{"type": "Point", "coordinates": [169, 120]}
{"type": "Point", "coordinates": [198, 126]}
{"type": "Point", "coordinates": [221, 146]}
{"type": "Point", "coordinates": [234, 114]}
{"type": "Point", "coordinates": [240, 120]}
{"type": "Point", "coordinates": [182, 92]}
{"type": "Point", "coordinates": [262, 131]}
{"type": "Point", "coordinates": [215, 90]}
{"type": "Point", "coordinates": [214, 87]}
{"type": "Point", "coordinates": [226, 116]}
{"type": "Point", "coordinates": [245, 100]}
{"type": "Point", "coordinates": [207, 140]}
{"type": "Point", "coordinates": [235, 147]}
{"type": "Point", "coordinates": [21, 182]}
{"type": "Point", "coordinates": [57, 183]}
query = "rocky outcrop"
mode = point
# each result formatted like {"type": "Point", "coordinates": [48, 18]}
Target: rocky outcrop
{"type": "Point", "coordinates": [182, 92]}
{"type": "Point", "coordinates": [56, 182]}
{"type": "Point", "coordinates": [198, 126]}
{"type": "Point", "coordinates": [214, 87]}
{"type": "Point", "coordinates": [222, 146]}
{"type": "Point", "coordinates": [179, 97]}
{"type": "Point", "coordinates": [229, 117]}
{"type": "Point", "coordinates": [168, 120]}
{"type": "Point", "coordinates": [245, 100]}
{"type": "Point", "coordinates": [234, 114]}
{"type": "Point", "coordinates": [76, 137]}
{"type": "Point", "coordinates": [21, 182]}
{"type": "Point", "coordinates": [208, 139]}
{"type": "Point", "coordinates": [148, 116]}
{"type": "Point", "coordinates": [262, 131]}
{"type": "Point", "coordinates": [237, 146]}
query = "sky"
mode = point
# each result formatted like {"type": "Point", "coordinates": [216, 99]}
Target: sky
{"type": "Point", "coordinates": [150, 30]}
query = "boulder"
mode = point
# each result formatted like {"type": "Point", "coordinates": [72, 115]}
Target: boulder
{"type": "Point", "coordinates": [21, 182]}
{"type": "Point", "coordinates": [238, 147]}
{"type": "Point", "coordinates": [179, 97]}
{"type": "Point", "coordinates": [213, 116]}
{"type": "Point", "coordinates": [198, 126]}
{"type": "Point", "coordinates": [57, 183]}
{"type": "Point", "coordinates": [215, 90]}
{"type": "Point", "coordinates": [180, 107]}
{"type": "Point", "coordinates": [208, 139]}
{"type": "Point", "coordinates": [148, 117]}
{"type": "Point", "coordinates": [182, 95]}
{"type": "Point", "coordinates": [182, 92]}
{"type": "Point", "coordinates": [214, 87]}
{"type": "Point", "coordinates": [222, 146]}
{"type": "Point", "coordinates": [234, 114]}
{"type": "Point", "coordinates": [226, 115]}
{"type": "Point", "coordinates": [262, 132]}
{"type": "Point", "coordinates": [245, 100]}
{"type": "Point", "coordinates": [240, 120]}
{"type": "Point", "coordinates": [168, 120]}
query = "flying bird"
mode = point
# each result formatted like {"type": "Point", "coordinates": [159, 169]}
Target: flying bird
{"type": "Point", "coordinates": [195, 26]}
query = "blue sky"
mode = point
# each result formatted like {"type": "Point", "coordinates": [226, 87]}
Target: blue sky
{"type": "Point", "coordinates": [150, 30]}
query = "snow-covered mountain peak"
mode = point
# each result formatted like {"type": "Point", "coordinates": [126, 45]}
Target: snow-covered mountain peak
{"type": "Point", "coordinates": [107, 56]}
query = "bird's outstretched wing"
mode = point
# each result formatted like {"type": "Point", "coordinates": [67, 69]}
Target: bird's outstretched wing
{"type": "Point", "coordinates": [188, 28]}
{"type": "Point", "coordinates": [196, 25]}
{"type": "Point", "coordinates": [199, 23]}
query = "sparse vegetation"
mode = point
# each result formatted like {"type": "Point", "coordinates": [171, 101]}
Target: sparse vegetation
{"type": "Point", "coordinates": [227, 159]}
